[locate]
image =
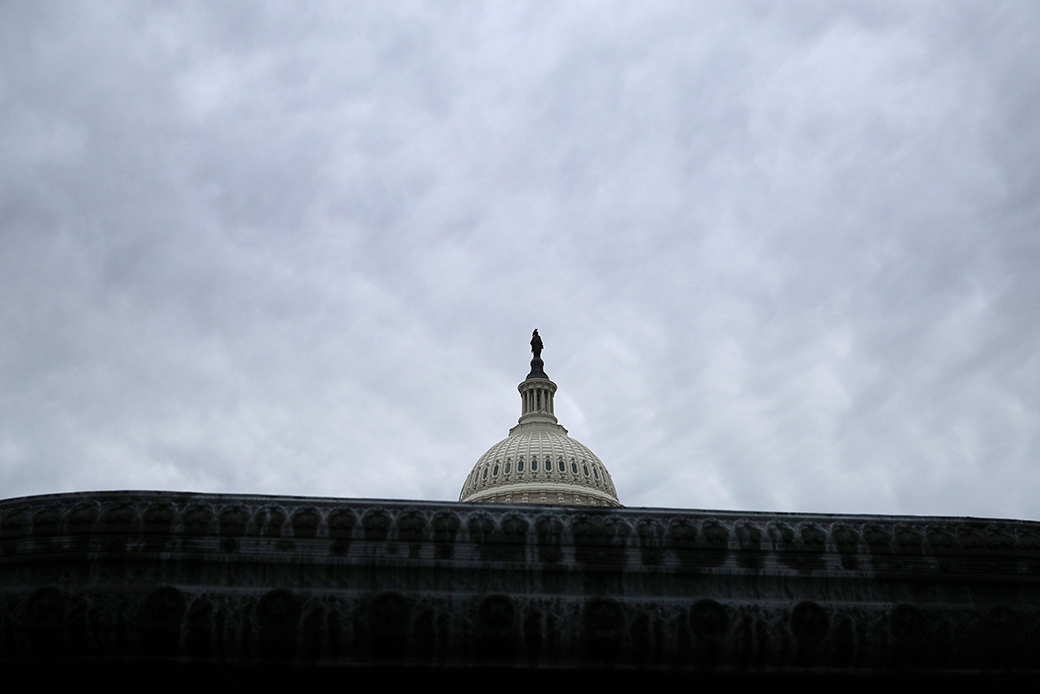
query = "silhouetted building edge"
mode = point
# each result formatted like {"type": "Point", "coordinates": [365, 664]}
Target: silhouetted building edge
{"type": "Point", "coordinates": [181, 583]}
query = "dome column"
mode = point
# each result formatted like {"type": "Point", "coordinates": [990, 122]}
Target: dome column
{"type": "Point", "coordinates": [536, 401]}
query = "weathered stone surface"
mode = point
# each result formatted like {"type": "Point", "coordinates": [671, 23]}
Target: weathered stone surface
{"type": "Point", "coordinates": [189, 580]}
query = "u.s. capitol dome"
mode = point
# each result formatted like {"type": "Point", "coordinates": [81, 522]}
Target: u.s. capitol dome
{"type": "Point", "coordinates": [538, 463]}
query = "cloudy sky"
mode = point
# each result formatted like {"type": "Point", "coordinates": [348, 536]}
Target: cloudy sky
{"type": "Point", "coordinates": [783, 256]}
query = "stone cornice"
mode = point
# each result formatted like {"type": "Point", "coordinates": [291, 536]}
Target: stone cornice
{"type": "Point", "coordinates": [293, 578]}
{"type": "Point", "coordinates": [533, 488]}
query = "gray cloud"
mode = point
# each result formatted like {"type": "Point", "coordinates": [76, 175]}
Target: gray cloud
{"type": "Point", "coordinates": [781, 258]}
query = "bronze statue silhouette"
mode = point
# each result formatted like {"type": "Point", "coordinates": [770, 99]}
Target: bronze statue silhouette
{"type": "Point", "coordinates": [536, 344]}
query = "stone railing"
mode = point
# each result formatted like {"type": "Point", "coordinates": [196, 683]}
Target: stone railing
{"type": "Point", "coordinates": [190, 580]}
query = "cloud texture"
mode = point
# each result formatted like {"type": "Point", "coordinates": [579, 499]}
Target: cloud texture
{"type": "Point", "coordinates": [782, 257]}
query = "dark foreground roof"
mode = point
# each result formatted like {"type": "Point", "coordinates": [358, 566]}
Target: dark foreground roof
{"type": "Point", "coordinates": [265, 587]}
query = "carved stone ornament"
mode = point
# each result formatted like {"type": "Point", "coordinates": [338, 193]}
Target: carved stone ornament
{"type": "Point", "coordinates": [103, 581]}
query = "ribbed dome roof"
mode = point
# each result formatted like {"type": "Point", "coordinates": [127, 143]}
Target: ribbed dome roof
{"type": "Point", "coordinates": [538, 462]}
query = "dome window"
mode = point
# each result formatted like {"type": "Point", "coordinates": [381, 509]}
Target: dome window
{"type": "Point", "coordinates": [507, 468]}
{"type": "Point", "coordinates": [494, 473]}
{"type": "Point", "coordinates": [534, 464]}
{"type": "Point", "coordinates": [561, 466]}
{"type": "Point", "coordinates": [574, 467]}
{"type": "Point", "coordinates": [520, 465]}
{"type": "Point", "coordinates": [485, 473]}
{"type": "Point", "coordinates": [595, 471]}
{"type": "Point", "coordinates": [586, 470]}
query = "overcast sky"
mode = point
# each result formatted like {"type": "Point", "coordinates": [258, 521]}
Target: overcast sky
{"type": "Point", "coordinates": [783, 256]}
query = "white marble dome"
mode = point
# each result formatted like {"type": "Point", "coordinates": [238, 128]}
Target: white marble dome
{"type": "Point", "coordinates": [538, 463]}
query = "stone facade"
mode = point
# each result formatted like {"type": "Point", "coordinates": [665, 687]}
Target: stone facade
{"type": "Point", "coordinates": [180, 581]}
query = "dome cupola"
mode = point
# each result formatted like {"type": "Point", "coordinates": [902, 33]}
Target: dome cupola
{"type": "Point", "coordinates": [538, 463]}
